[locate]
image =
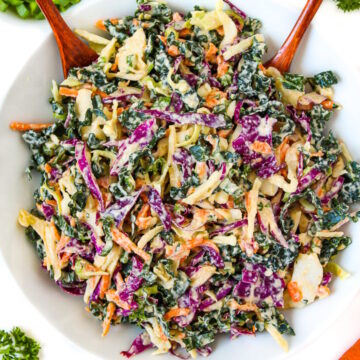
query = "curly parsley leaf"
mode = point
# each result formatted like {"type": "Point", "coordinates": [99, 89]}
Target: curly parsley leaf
{"type": "Point", "coordinates": [15, 344]}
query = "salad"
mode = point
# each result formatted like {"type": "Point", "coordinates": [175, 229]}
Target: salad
{"type": "Point", "coordinates": [185, 187]}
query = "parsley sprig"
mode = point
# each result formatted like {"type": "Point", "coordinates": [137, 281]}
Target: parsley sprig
{"type": "Point", "coordinates": [348, 5]}
{"type": "Point", "coordinates": [15, 344]}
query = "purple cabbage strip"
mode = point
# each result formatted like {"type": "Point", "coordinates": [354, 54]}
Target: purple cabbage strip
{"type": "Point", "coordinates": [326, 278]}
{"type": "Point", "coordinates": [235, 9]}
{"type": "Point", "coordinates": [176, 102]}
{"type": "Point", "coordinates": [158, 206]}
{"type": "Point", "coordinates": [206, 72]}
{"type": "Point", "coordinates": [191, 79]}
{"type": "Point", "coordinates": [303, 120]}
{"type": "Point", "coordinates": [210, 120]}
{"type": "Point", "coordinates": [185, 159]}
{"type": "Point", "coordinates": [142, 135]}
{"type": "Point", "coordinates": [206, 303]}
{"type": "Point", "coordinates": [205, 351]}
{"type": "Point", "coordinates": [225, 289]}
{"type": "Point", "coordinates": [215, 257]}
{"type": "Point", "coordinates": [145, 7]}
{"type": "Point", "coordinates": [121, 208]}
{"type": "Point", "coordinates": [253, 130]}
{"type": "Point", "coordinates": [336, 187]}
{"type": "Point", "coordinates": [236, 331]}
{"type": "Point", "coordinates": [267, 285]}
{"type": "Point", "coordinates": [307, 179]}
{"type": "Point", "coordinates": [76, 288]}
{"type": "Point", "coordinates": [229, 227]}
{"type": "Point", "coordinates": [86, 251]}
{"type": "Point", "coordinates": [47, 210]}
{"type": "Point", "coordinates": [133, 283]}
{"type": "Point", "coordinates": [122, 98]}
{"type": "Point", "coordinates": [177, 63]}
{"type": "Point", "coordinates": [301, 165]}
{"type": "Point", "coordinates": [141, 343]}
{"type": "Point", "coordinates": [85, 169]}
{"type": "Point", "coordinates": [191, 299]}
{"type": "Point", "coordinates": [222, 169]}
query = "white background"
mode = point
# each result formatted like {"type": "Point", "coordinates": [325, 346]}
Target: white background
{"type": "Point", "coordinates": [18, 39]}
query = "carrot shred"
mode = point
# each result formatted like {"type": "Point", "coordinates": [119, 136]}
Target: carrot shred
{"type": "Point", "coordinates": [210, 54]}
{"type": "Point", "coordinates": [294, 291]}
{"type": "Point", "coordinates": [184, 32]}
{"type": "Point", "coordinates": [100, 25]}
{"type": "Point", "coordinates": [19, 126]}
{"type": "Point", "coordinates": [262, 67]}
{"type": "Point", "coordinates": [328, 104]}
{"type": "Point", "coordinates": [111, 295]}
{"type": "Point", "coordinates": [220, 31]}
{"type": "Point", "coordinates": [283, 148]}
{"type": "Point", "coordinates": [261, 147]}
{"type": "Point", "coordinates": [224, 133]}
{"type": "Point", "coordinates": [214, 98]}
{"type": "Point", "coordinates": [176, 312]}
{"type": "Point", "coordinates": [104, 285]}
{"type": "Point", "coordinates": [173, 51]}
{"type": "Point", "coordinates": [64, 91]}
{"type": "Point", "coordinates": [124, 241]}
{"type": "Point", "coordinates": [110, 310]}
{"type": "Point", "coordinates": [47, 168]}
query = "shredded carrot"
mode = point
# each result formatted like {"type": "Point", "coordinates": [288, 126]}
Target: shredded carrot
{"type": "Point", "coordinates": [104, 285]}
{"type": "Point", "coordinates": [124, 241]}
{"type": "Point", "coordinates": [201, 168]}
{"type": "Point", "coordinates": [114, 21]}
{"type": "Point", "coordinates": [230, 203]}
{"type": "Point", "coordinates": [262, 67]}
{"type": "Point", "coordinates": [294, 291]}
{"type": "Point", "coordinates": [19, 126]}
{"type": "Point", "coordinates": [173, 51]}
{"type": "Point", "coordinates": [62, 243]}
{"type": "Point", "coordinates": [184, 32]}
{"type": "Point", "coordinates": [55, 231]}
{"type": "Point", "coordinates": [214, 98]}
{"type": "Point", "coordinates": [233, 304]}
{"type": "Point", "coordinates": [110, 310]}
{"type": "Point", "coordinates": [327, 104]}
{"type": "Point", "coordinates": [114, 67]}
{"type": "Point", "coordinates": [210, 54]}
{"type": "Point", "coordinates": [283, 148]}
{"type": "Point", "coordinates": [47, 168]}
{"type": "Point", "coordinates": [224, 133]}
{"type": "Point", "coordinates": [261, 147]}
{"type": "Point", "coordinates": [135, 22]}
{"type": "Point", "coordinates": [144, 197]}
{"type": "Point", "coordinates": [139, 183]}
{"type": "Point", "coordinates": [111, 295]}
{"type": "Point", "coordinates": [100, 25]}
{"type": "Point", "coordinates": [163, 39]}
{"type": "Point", "coordinates": [143, 217]}
{"type": "Point", "coordinates": [247, 202]}
{"type": "Point", "coordinates": [317, 154]}
{"type": "Point", "coordinates": [176, 312]}
{"type": "Point", "coordinates": [120, 110]}
{"type": "Point", "coordinates": [148, 104]}
{"type": "Point", "coordinates": [101, 94]}
{"type": "Point", "coordinates": [220, 31]}
{"type": "Point", "coordinates": [64, 261]}
{"type": "Point", "coordinates": [64, 91]}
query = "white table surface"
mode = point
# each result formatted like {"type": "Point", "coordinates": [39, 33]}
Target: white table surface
{"type": "Point", "coordinates": [18, 40]}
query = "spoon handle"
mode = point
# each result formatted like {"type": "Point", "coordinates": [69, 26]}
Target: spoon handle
{"type": "Point", "coordinates": [283, 58]}
{"type": "Point", "coordinates": [73, 51]}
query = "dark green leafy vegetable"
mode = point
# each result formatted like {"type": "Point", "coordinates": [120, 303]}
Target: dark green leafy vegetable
{"type": "Point", "coordinates": [15, 344]}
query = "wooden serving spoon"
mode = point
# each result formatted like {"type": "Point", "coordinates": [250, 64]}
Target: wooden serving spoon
{"type": "Point", "coordinates": [73, 52]}
{"type": "Point", "coordinates": [283, 58]}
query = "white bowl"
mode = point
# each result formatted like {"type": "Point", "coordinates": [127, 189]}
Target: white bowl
{"type": "Point", "coordinates": [27, 101]}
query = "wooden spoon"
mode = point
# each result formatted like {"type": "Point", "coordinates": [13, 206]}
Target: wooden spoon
{"type": "Point", "coordinates": [283, 58]}
{"type": "Point", "coordinates": [73, 52]}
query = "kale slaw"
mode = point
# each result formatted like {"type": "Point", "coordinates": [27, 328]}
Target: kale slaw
{"type": "Point", "coordinates": [186, 188]}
